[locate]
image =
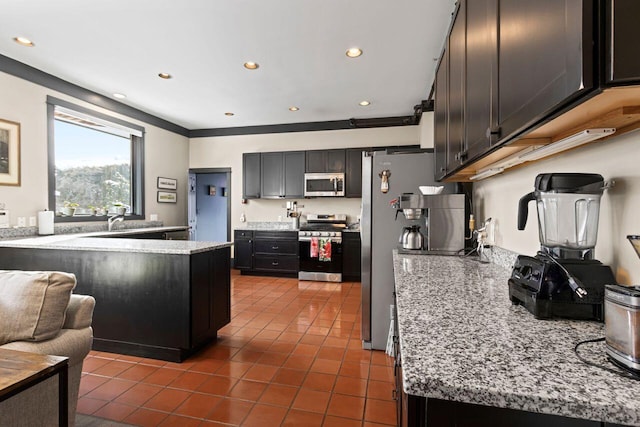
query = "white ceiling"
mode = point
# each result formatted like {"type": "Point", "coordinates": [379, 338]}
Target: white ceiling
{"type": "Point", "coordinates": [111, 46]}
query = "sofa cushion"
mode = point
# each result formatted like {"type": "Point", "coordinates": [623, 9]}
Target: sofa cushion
{"type": "Point", "coordinates": [33, 304]}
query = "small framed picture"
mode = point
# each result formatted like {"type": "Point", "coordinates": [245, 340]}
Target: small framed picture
{"type": "Point", "coordinates": [167, 197]}
{"type": "Point", "coordinates": [212, 190]}
{"type": "Point", "coordinates": [9, 153]}
{"type": "Point", "coordinates": [167, 183]}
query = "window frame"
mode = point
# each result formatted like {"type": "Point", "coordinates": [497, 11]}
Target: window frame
{"type": "Point", "coordinates": [137, 161]}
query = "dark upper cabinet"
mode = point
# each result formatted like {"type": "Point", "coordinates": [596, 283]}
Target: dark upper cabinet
{"type": "Point", "coordinates": [272, 182]}
{"type": "Point", "coordinates": [251, 175]}
{"type": "Point", "coordinates": [481, 90]}
{"type": "Point", "coordinates": [282, 174]}
{"type": "Point", "coordinates": [294, 164]}
{"type": "Point", "coordinates": [456, 88]}
{"type": "Point", "coordinates": [545, 58]}
{"type": "Point", "coordinates": [441, 117]}
{"type": "Point", "coordinates": [622, 33]}
{"type": "Point", "coordinates": [353, 172]}
{"type": "Point", "coordinates": [319, 161]}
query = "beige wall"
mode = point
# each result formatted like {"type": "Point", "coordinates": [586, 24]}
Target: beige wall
{"type": "Point", "coordinates": [617, 158]}
{"type": "Point", "coordinates": [166, 153]}
{"type": "Point", "coordinates": [226, 152]}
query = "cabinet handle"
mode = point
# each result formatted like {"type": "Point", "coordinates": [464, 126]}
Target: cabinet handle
{"type": "Point", "coordinates": [442, 169]}
{"type": "Point", "coordinates": [493, 133]}
{"type": "Point", "coordinates": [394, 394]}
{"type": "Point", "coordinates": [275, 248]}
{"type": "Point", "coordinates": [274, 263]}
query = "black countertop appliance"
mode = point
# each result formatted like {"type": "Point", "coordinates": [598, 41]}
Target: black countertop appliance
{"type": "Point", "coordinates": [563, 279]}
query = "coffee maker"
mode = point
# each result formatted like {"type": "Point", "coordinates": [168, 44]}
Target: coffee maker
{"type": "Point", "coordinates": [563, 279]}
{"type": "Point", "coordinates": [440, 216]}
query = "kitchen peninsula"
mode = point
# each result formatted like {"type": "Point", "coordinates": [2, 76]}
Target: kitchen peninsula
{"type": "Point", "coordinates": [468, 357]}
{"type": "Point", "coordinates": [162, 299]}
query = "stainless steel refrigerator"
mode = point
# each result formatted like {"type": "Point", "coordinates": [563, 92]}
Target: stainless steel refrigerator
{"type": "Point", "coordinates": [380, 231]}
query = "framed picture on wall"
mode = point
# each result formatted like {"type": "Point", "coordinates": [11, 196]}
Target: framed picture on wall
{"type": "Point", "coordinates": [167, 183]}
{"type": "Point", "coordinates": [167, 197]}
{"type": "Point", "coordinates": [9, 153]}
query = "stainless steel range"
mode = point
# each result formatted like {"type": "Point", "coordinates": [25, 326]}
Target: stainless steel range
{"type": "Point", "coordinates": [320, 244]}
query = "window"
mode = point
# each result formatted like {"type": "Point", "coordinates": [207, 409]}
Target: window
{"type": "Point", "coordinates": [95, 164]}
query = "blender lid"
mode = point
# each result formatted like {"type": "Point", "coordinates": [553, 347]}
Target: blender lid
{"type": "Point", "coordinates": [570, 183]}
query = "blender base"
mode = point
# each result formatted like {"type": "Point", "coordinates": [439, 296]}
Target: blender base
{"type": "Point", "coordinates": [542, 288]}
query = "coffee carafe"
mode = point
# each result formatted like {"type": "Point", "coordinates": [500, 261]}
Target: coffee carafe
{"type": "Point", "coordinates": [411, 238]}
{"type": "Point", "coordinates": [563, 279]}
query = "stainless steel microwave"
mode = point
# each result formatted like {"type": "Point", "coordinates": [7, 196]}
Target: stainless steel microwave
{"type": "Point", "coordinates": [324, 184]}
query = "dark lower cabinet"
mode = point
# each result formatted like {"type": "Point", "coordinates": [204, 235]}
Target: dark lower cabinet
{"type": "Point", "coordinates": [243, 249]}
{"type": "Point", "coordinates": [266, 252]}
{"type": "Point", "coordinates": [157, 305]}
{"type": "Point", "coordinates": [351, 261]}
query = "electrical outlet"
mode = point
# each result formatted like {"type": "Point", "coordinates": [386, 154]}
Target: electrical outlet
{"type": "Point", "coordinates": [32, 221]}
{"type": "Point", "coordinates": [22, 221]}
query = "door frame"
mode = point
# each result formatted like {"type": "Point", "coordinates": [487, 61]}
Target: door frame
{"type": "Point", "coordinates": [197, 171]}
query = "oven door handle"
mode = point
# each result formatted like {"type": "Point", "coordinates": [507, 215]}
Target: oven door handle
{"type": "Point", "coordinates": [337, 240]}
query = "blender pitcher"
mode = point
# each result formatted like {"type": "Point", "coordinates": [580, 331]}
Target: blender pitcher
{"type": "Point", "coordinates": [568, 207]}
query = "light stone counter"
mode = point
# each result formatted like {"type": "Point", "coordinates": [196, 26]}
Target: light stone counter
{"type": "Point", "coordinates": [108, 242]}
{"type": "Point", "coordinates": [462, 340]}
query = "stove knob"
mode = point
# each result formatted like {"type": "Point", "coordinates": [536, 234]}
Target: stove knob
{"type": "Point", "coordinates": [315, 233]}
{"type": "Point", "coordinates": [333, 234]}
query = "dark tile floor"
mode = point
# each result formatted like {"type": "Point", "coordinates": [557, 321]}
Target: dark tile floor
{"type": "Point", "coordinates": [291, 356]}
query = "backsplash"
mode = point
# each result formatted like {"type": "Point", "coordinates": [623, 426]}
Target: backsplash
{"type": "Point", "coordinates": [78, 227]}
{"type": "Point", "coordinates": [500, 256]}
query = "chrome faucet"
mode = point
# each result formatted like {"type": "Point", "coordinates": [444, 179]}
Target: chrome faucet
{"type": "Point", "coordinates": [113, 219]}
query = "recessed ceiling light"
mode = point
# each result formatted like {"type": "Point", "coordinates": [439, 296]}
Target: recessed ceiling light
{"type": "Point", "coordinates": [119, 95]}
{"type": "Point", "coordinates": [251, 65]}
{"type": "Point", "coordinates": [23, 41]}
{"type": "Point", "coordinates": [229, 113]}
{"type": "Point", "coordinates": [165, 76]}
{"type": "Point", "coordinates": [293, 108]}
{"type": "Point", "coordinates": [354, 52]}
{"type": "Point", "coordinates": [364, 103]}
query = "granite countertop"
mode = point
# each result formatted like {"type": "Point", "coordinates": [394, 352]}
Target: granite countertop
{"type": "Point", "coordinates": [268, 226]}
{"type": "Point", "coordinates": [462, 340]}
{"type": "Point", "coordinates": [105, 241]}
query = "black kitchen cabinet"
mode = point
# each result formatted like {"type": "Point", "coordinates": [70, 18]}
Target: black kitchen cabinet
{"type": "Point", "coordinates": [243, 249]}
{"type": "Point", "coordinates": [508, 65]}
{"type": "Point", "coordinates": [251, 175]}
{"type": "Point", "coordinates": [353, 172]}
{"type": "Point", "coordinates": [210, 293]}
{"type": "Point", "coordinates": [622, 33]}
{"type": "Point", "coordinates": [158, 305]}
{"type": "Point", "coordinates": [320, 161]}
{"type": "Point", "coordinates": [545, 58]}
{"type": "Point", "coordinates": [441, 116]}
{"type": "Point", "coordinates": [272, 177]}
{"type": "Point", "coordinates": [294, 164]}
{"type": "Point", "coordinates": [481, 78]}
{"type": "Point", "coordinates": [282, 175]}
{"type": "Point", "coordinates": [456, 88]}
{"type": "Point", "coordinates": [351, 261]}
{"type": "Point", "coordinates": [272, 253]}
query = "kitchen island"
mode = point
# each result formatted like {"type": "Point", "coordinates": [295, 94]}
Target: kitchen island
{"type": "Point", "coordinates": [162, 299]}
{"type": "Point", "coordinates": [470, 358]}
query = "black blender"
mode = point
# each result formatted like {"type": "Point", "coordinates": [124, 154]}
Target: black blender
{"type": "Point", "coordinates": [563, 279]}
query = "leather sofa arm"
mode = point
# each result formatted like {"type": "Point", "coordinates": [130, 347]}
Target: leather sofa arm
{"type": "Point", "coordinates": [79, 312]}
